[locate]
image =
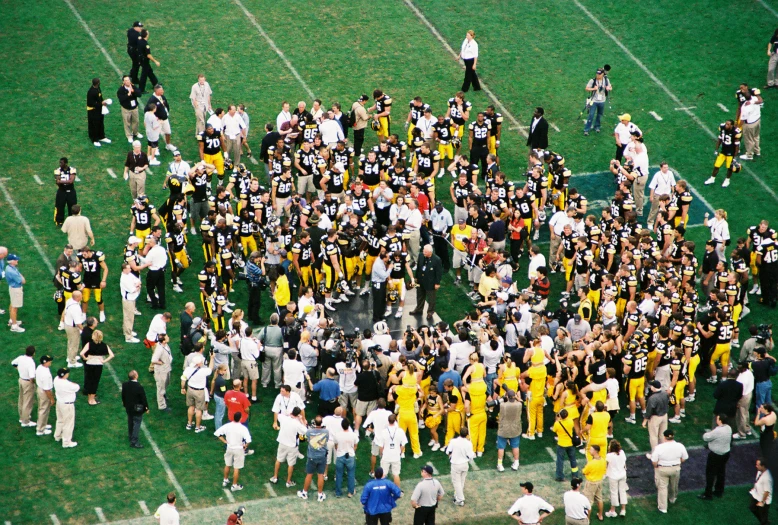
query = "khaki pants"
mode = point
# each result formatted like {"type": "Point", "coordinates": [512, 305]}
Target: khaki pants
{"type": "Point", "coordinates": [44, 407]}
{"type": "Point", "coordinates": [656, 427]}
{"type": "Point", "coordinates": [66, 420]}
{"type": "Point", "coordinates": [232, 146]}
{"type": "Point", "coordinates": [74, 339]}
{"type": "Point", "coordinates": [26, 396]}
{"type": "Point", "coordinates": [751, 137]}
{"type": "Point", "coordinates": [137, 184]}
{"type": "Point", "coordinates": [771, 69]}
{"type": "Point", "coordinates": [273, 360]}
{"type": "Point", "coordinates": [130, 121]}
{"type": "Point", "coordinates": [200, 116]}
{"type": "Point", "coordinates": [654, 210]}
{"type": "Point", "coordinates": [743, 426]}
{"type": "Point", "coordinates": [573, 521]}
{"type": "Point", "coordinates": [666, 478]}
{"type": "Point", "coordinates": [458, 476]}
{"type": "Point", "coordinates": [554, 243]}
{"type": "Point", "coordinates": [639, 193]}
{"type": "Point", "coordinates": [128, 317]}
{"type": "Point", "coordinates": [163, 380]}
{"type": "Point", "coordinates": [414, 241]}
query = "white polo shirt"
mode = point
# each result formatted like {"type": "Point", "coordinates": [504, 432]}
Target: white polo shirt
{"type": "Point", "coordinates": [197, 378]}
{"type": "Point", "coordinates": [333, 425]}
{"type": "Point", "coordinates": [167, 514]}
{"type": "Point", "coordinates": [346, 442]}
{"type": "Point", "coordinates": [236, 435]}
{"type": "Point", "coordinates": [624, 132]}
{"type": "Point", "coordinates": [558, 222]}
{"type": "Point", "coordinates": [425, 126]}
{"type": "Point", "coordinates": [158, 326]}
{"type": "Point", "coordinates": [460, 450]}
{"type": "Point", "coordinates": [74, 316]}
{"type": "Point", "coordinates": [25, 365]}
{"type": "Point", "coordinates": [530, 506]}
{"type": "Point", "coordinates": [669, 454]}
{"type": "Point", "coordinates": [65, 390]}
{"type": "Point", "coordinates": [379, 418]}
{"type": "Point", "coordinates": [129, 286]}
{"type": "Point", "coordinates": [216, 122]}
{"type": "Point", "coordinates": [157, 256]}
{"type": "Point", "coordinates": [764, 483]}
{"type": "Point", "coordinates": [285, 405]}
{"type": "Point", "coordinates": [233, 125]}
{"type": "Point", "coordinates": [577, 505]}
{"type": "Point", "coordinates": [469, 49]}
{"type": "Point", "coordinates": [43, 377]}
{"type": "Point", "coordinates": [392, 439]}
{"type": "Point", "coordinates": [290, 428]}
{"type": "Point", "coordinates": [294, 372]}
{"type": "Point", "coordinates": [662, 183]}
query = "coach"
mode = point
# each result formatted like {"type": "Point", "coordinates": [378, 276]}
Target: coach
{"type": "Point", "coordinates": [128, 99]}
{"type": "Point", "coordinates": [135, 404]}
{"type": "Point", "coordinates": [425, 498]}
{"type": "Point", "coordinates": [538, 130]}
{"type": "Point", "coordinates": [429, 272]}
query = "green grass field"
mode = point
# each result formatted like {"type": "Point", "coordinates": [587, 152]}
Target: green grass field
{"type": "Point", "coordinates": [677, 56]}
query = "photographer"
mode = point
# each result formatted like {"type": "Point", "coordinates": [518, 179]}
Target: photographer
{"type": "Point", "coordinates": [491, 350]}
{"type": "Point", "coordinates": [272, 338]}
{"type": "Point", "coordinates": [367, 383]}
{"type": "Point", "coordinates": [598, 89]}
{"type": "Point", "coordinates": [296, 374]}
{"type": "Point", "coordinates": [459, 352]}
{"type": "Point", "coordinates": [764, 367]}
{"type": "Point", "coordinates": [763, 337]}
{"type": "Point", "coordinates": [255, 271]}
{"type": "Point", "coordinates": [509, 428]}
{"type": "Point", "coordinates": [308, 350]}
{"type": "Point", "coordinates": [347, 375]}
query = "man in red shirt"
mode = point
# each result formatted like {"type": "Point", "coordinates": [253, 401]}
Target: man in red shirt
{"type": "Point", "coordinates": [237, 402]}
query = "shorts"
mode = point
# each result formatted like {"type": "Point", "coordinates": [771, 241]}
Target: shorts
{"type": "Point", "coordinates": [391, 467]}
{"type": "Point", "coordinates": [460, 258]}
{"type": "Point", "coordinates": [315, 466]}
{"type": "Point", "coordinates": [234, 458]}
{"type": "Point", "coordinates": [593, 490]}
{"type": "Point", "coordinates": [195, 398]}
{"type": "Point", "coordinates": [287, 454]}
{"type": "Point", "coordinates": [165, 127]}
{"type": "Point", "coordinates": [721, 352]}
{"type": "Point", "coordinates": [217, 160]}
{"type": "Point", "coordinates": [636, 387]}
{"type": "Point", "coordinates": [153, 143]}
{"type": "Point", "coordinates": [375, 450]}
{"type": "Point", "coordinates": [503, 442]}
{"type": "Point", "coordinates": [347, 399]}
{"type": "Point", "coordinates": [305, 184]}
{"type": "Point", "coordinates": [363, 408]}
{"type": "Point", "coordinates": [721, 159]}
{"type": "Point", "coordinates": [86, 294]}
{"type": "Point", "coordinates": [249, 369]}
{"type": "Point", "coordinates": [17, 297]}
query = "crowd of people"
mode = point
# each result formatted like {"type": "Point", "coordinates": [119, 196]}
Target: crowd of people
{"type": "Point", "coordinates": [642, 314]}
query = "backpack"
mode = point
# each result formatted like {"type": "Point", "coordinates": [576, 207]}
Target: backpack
{"type": "Point", "coordinates": [352, 119]}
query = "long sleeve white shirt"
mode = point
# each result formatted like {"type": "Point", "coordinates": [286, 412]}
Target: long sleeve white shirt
{"type": "Point", "coordinates": [129, 284]}
{"type": "Point", "coordinates": [460, 450]}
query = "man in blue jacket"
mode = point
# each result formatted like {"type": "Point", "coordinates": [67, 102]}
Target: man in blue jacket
{"type": "Point", "coordinates": [379, 497]}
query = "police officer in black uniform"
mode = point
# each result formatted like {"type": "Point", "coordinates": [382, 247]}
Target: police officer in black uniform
{"type": "Point", "coordinates": [145, 58]}
{"type": "Point", "coordinates": [133, 34]}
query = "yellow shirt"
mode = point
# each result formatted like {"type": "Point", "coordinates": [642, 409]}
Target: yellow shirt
{"type": "Point", "coordinates": [538, 384]}
{"type": "Point", "coordinates": [599, 422]}
{"type": "Point", "coordinates": [509, 377]}
{"type": "Point", "coordinates": [283, 294]}
{"type": "Point", "coordinates": [479, 372]}
{"type": "Point", "coordinates": [459, 405]}
{"type": "Point", "coordinates": [460, 237]}
{"type": "Point", "coordinates": [405, 397]}
{"type": "Point", "coordinates": [477, 393]}
{"type": "Point", "coordinates": [595, 469]}
{"type": "Point", "coordinates": [487, 285]}
{"type": "Point", "coordinates": [562, 429]}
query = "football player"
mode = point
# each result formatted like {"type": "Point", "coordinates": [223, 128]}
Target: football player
{"type": "Point", "coordinates": [209, 283]}
{"type": "Point", "coordinates": [478, 139]}
{"type": "Point", "coordinates": [729, 142]}
{"type": "Point", "coordinates": [95, 274]}
{"type": "Point", "coordinates": [331, 269]}
{"type": "Point", "coordinates": [459, 113]}
{"type": "Point", "coordinates": [211, 146]}
{"type": "Point", "coordinates": [175, 238]}
{"type": "Point", "coordinates": [442, 134]}
{"type": "Point", "coordinates": [383, 110]}
{"type": "Point", "coordinates": [495, 132]}
{"type": "Point", "coordinates": [417, 109]}
{"type": "Point", "coordinates": [144, 216]}
{"type": "Point", "coordinates": [303, 259]}
{"type": "Point", "coordinates": [399, 265]}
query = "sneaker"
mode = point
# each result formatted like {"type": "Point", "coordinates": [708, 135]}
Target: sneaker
{"type": "Point", "coordinates": [75, 365]}
{"type": "Point", "coordinates": [364, 291]}
{"type": "Point", "coordinates": [527, 436]}
{"type": "Point", "coordinates": [189, 426]}
{"type": "Point", "coordinates": [479, 454]}
{"type": "Point", "coordinates": [139, 136]}
{"type": "Point", "coordinates": [131, 340]}
{"type": "Point", "coordinates": [712, 380]}
{"type": "Point", "coordinates": [105, 140]}
{"type": "Point", "coordinates": [207, 416]}
{"type": "Point", "coordinates": [302, 494]}
{"type": "Point", "coordinates": [290, 484]}
{"type": "Point", "coordinates": [436, 447]}
{"type": "Point", "coordinates": [432, 442]}
{"type": "Point", "coordinates": [539, 435]}
{"type": "Point", "coordinates": [683, 413]}
{"type": "Point", "coordinates": [62, 324]}
{"type": "Point", "coordinates": [515, 465]}
{"type": "Point", "coordinates": [350, 293]}
{"type": "Point", "coordinates": [72, 444]}
{"type": "Point", "coordinates": [137, 312]}
{"type": "Point", "coordinates": [170, 147]}
{"type": "Point", "coordinates": [536, 235]}
{"type": "Point", "coordinates": [300, 455]}
{"type": "Point", "coordinates": [16, 328]}
{"type": "Point", "coordinates": [199, 429]}
{"type": "Point", "coordinates": [500, 468]}
{"type": "Point", "coordinates": [225, 483]}
{"type": "Point", "coordinates": [582, 451]}
{"type": "Point", "coordinates": [623, 512]}
{"type": "Point", "coordinates": [227, 308]}
{"type": "Point", "coordinates": [336, 300]}
{"type": "Point", "coordinates": [759, 290]}
{"type": "Point", "coordinates": [398, 314]}
{"type": "Point", "coordinates": [421, 424]}
{"type": "Point", "coordinates": [746, 156]}
{"type": "Point", "coordinates": [459, 503]}
{"type": "Point", "coordinates": [457, 282]}
{"type": "Point", "coordinates": [329, 307]}
{"type": "Point", "coordinates": [417, 456]}
{"type": "Point", "coordinates": [179, 282]}
{"type": "Point", "coordinates": [738, 436]}
{"type": "Point", "coordinates": [631, 420]}
{"type": "Point", "coordinates": [193, 231]}
{"type": "Point", "coordinates": [725, 184]}
{"type": "Point", "coordinates": [611, 514]}
{"type": "Point", "coordinates": [388, 312]}
{"type": "Point", "coordinates": [97, 144]}
{"type": "Point", "coordinates": [710, 181]}
{"type": "Point", "coordinates": [177, 289]}
{"type": "Point", "coordinates": [30, 424]}
{"type": "Point", "coordinates": [675, 420]}
{"type": "Point", "coordinates": [250, 452]}
{"type": "Point", "coordinates": [274, 480]}
{"type": "Point", "coordinates": [343, 299]}
{"type": "Point", "coordinates": [46, 432]}
{"type": "Point", "coordinates": [236, 488]}
{"type": "Point", "coordinates": [130, 140]}
{"type": "Point", "coordinates": [321, 497]}
{"type": "Point", "coordinates": [371, 474]}
{"type": "Point", "coordinates": [154, 162]}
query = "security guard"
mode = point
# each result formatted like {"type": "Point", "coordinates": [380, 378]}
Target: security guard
{"type": "Point", "coordinates": [133, 34]}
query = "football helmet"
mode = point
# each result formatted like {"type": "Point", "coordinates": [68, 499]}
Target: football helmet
{"type": "Point", "coordinates": [228, 165]}
{"type": "Point", "coordinates": [375, 125]}
{"type": "Point", "coordinates": [392, 296]}
{"type": "Point", "coordinates": [456, 142]}
{"type": "Point", "coordinates": [736, 166]}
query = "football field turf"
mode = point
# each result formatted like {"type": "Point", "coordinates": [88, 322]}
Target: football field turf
{"type": "Point", "coordinates": [675, 60]}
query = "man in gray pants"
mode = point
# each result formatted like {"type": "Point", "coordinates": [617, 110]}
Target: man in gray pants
{"type": "Point", "coordinates": [272, 339]}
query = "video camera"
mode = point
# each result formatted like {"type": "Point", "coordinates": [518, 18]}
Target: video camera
{"type": "Point", "coordinates": [764, 332]}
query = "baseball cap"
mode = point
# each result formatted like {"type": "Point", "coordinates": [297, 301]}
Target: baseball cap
{"type": "Point", "coordinates": [427, 469]}
{"type": "Point", "coordinates": [655, 384]}
{"type": "Point", "coordinates": [13, 257]}
{"type": "Point", "coordinates": [460, 221]}
{"type": "Point", "coordinates": [669, 433]}
{"type": "Point", "coordinates": [527, 485]}
{"type": "Point", "coordinates": [137, 24]}
{"type": "Point", "coordinates": [577, 318]}
{"type": "Point", "coordinates": [507, 279]}
{"type": "Point", "coordinates": [46, 359]}
{"type": "Point", "coordinates": [176, 153]}
{"type": "Point", "coordinates": [600, 71]}
{"type": "Point", "coordinates": [575, 483]}
{"type": "Point", "coordinates": [133, 240]}
{"type": "Point", "coordinates": [502, 296]}
{"type": "Point", "coordinates": [62, 372]}
{"type": "Point", "coordinates": [625, 116]}
{"type": "Point", "coordinates": [363, 98]}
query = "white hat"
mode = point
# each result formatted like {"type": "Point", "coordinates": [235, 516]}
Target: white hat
{"type": "Point", "coordinates": [339, 166]}
{"type": "Point", "coordinates": [133, 240]}
{"type": "Point", "coordinates": [502, 295]}
{"type": "Point", "coordinates": [380, 328]}
{"type": "Point", "coordinates": [136, 144]}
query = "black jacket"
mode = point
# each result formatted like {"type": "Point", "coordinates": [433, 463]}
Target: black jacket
{"type": "Point", "coordinates": [538, 139]}
{"type": "Point", "coordinates": [727, 395]}
{"type": "Point", "coordinates": [126, 99]}
{"type": "Point", "coordinates": [268, 140]}
{"type": "Point", "coordinates": [429, 272]}
{"type": "Point", "coordinates": [133, 397]}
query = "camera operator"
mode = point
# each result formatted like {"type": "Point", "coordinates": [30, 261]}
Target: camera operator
{"type": "Point", "coordinates": [459, 352]}
{"type": "Point", "coordinates": [308, 350]}
{"type": "Point", "coordinates": [758, 338]}
{"type": "Point", "coordinates": [492, 351]}
{"type": "Point", "coordinates": [509, 428]}
{"type": "Point", "coordinates": [347, 375]}
{"type": "Point", "coordinates": [296, 374]}
{"type": "Point", "coordinates": [541, 288]}
{"type": "Point", "coordinates": [255, 270]}
{"type": "Point", "coordinates": [367, 383]}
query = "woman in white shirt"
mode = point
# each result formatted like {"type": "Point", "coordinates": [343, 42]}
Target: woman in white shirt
{"type": "Point", "coordinates": [638, 152]}
{"type": "Point", "coordinates": [153, 129]}
{"type": "Point", "coordinates": [617, 477]}
{"type": "Point", "coordinates": [399, 210]}
{"type": "Point", "coordinates": [719, 231]}
{"type": "Point", "coordinates": [468, 53]}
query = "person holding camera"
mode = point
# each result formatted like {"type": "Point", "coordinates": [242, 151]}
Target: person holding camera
{"type": "Point", "coordinates": [194, 381]}
{"type": "Point", "coordinates": [509, 428]}
{"type": "Point", "coordinates": [255, 269]}
{"type": "Point", "coordinates": [567, 440]}
{"type": "Point", "coordinates": [162, 361]}
{"type": "Point", "coordinates": [760, 336]}
{"type": "Point", "coordinates": [367, 383]}
{"type": "Point", "coordinates": [764, 367]}
{"type": "Point", "coordinates": [598, 88]}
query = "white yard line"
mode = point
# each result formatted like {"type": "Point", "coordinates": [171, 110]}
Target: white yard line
{"type": "Point", "coordinates": [556, 128]}
{"type": "Point", "coordinates": [100, 515]}
{"type": "Point", "coordinates": [723, 107]}
{"type": "Point", "coordinates": [274, 47]}
{"type": "Point", "coordinates": [38, 180]}
{"type": "Point", "coordinates": [271, 490]}
{"type": "Point", "coordinates": [514, 121]}
{"type": "Point", "coordinates": [694, 191]}
{"type": "Point", "coordinates": [551, 453]}
{"type": "Point", "coordinates": [93, 37]}
{"type": "Point", "coordinates": [686, 109]}
{"type": "Point", "coordinates": [667, 91]}
{"type": "Point", "coordinates": [109, 366]}
{"type": "Point", "coordinates": [229, 496]}
{"type": "Point", "coordinates": [78, 179]}
{"type": "Point", "coordinates": [54, 519]}
{"type": "Point", "coordinates": [766, 6]}
{"type": "Point", "coordinates": [253, 160]}
{"type": "Point", "coordinates": [473, 465]}
{"type": "Point", "coordinates": [112, 173]}
{"type": "Point", "coordinates": [434, 470]}
{"type": "Point", "coordinates": [144, 508]}
{"type": "Point", "coordinates": [630, 444]}
{"type": "Point", "coordinates": [653, 114]}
